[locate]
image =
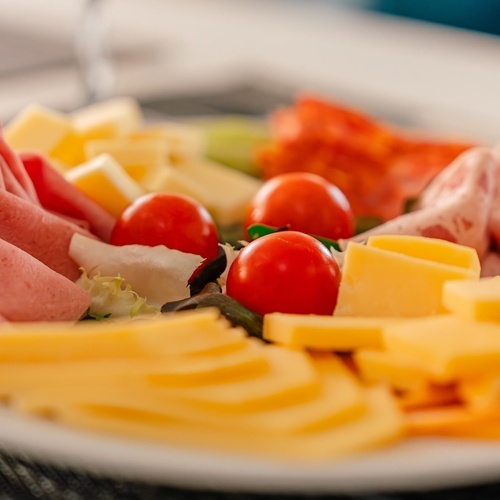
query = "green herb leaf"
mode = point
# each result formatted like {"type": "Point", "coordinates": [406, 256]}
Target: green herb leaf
{"type": "Point", "coordinates": [258, 230]}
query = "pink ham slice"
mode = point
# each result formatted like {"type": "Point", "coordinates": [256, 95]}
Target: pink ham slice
{"type": "Point", "coordinates": [59, 196]}
{"type": "Point", "coordinates": [494, 224]}
{"type": "Point", "coordinates": [454, 207]}
{"type": "Point", "coordinates": [31, 291]}
{"type": "Point", "coordinates": [41, 234]}
{"type": "Point", "coordinates": [17, 171]}
{"type": "Point", "coordinates": [490, 265]}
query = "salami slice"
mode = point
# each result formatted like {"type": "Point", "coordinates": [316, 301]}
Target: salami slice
{"type": "Point", "coordinates": [31, 291]}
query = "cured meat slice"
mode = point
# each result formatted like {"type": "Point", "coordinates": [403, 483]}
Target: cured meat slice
{"type": "Point", "coordinates": [454, 207]}
{"type": "Point", "coordinates": [15, 165]}
{"type": "Point", "coordinates": [59, 196]}
{"type": "Point", "coordinates": [31, 291]}
{"type": "Point", "coordinates": [41, 234]}
{"type": "Point", "coordinates": [494, 224]}
{"type": "Point", "coordinates": [10, 183]}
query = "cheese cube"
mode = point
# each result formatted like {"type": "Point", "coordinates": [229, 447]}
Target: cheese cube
{"type": "Point", "coordinates": [226, 192]}
{"type": "Point", "coordinates": [103, 180]}
{"type": "Point", "coordinates": [378, 282]}
{"type": "Point", "coordinates": [38, 129]}
{"type": "Point", "coordinates": [139, 157]}
{"type": "Point", "coordinates": [324, 332]}
{"type": "Point", "coordinates": [108, 119]}
{"type": "Point", "coordinates": [473, 300]}
{"type": "Point", "coordinates": [184, 141]}
{"type": "Point", "coordinates": [446, 346]}
{"type": "Point", "coordinates": [431, 249]}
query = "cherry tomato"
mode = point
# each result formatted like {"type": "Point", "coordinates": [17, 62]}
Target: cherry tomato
{"type": "Point", "coordinates": [305, 201]}
{"type": "Point", "coordinates": [287, 272]}
{"type": "Point", "coordinates": [173, 220]}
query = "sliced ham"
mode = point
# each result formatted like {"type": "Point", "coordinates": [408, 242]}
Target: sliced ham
{"type": "Point", "coordinates": [494, 224]}
{"type": "Point", "coordinates": [455, 206]}
{"type": "Point", "coordinates": [41, 234]}
{"type": "Point", "coordinates": [16, 167]}
{"type": "Point", "coordinates": [59, 196]}
{"type": "Point", "coordinates": [31, 291]}
{"type": "Point", "coordinates": [10, 183]}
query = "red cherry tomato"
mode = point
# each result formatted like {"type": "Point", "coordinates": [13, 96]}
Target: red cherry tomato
{"type": "Point", "coordinates": [287, 272]}
{"type": "Point", "coordinates": [173, 220]}
{"type": "Point", "coordinates": [307, 202]}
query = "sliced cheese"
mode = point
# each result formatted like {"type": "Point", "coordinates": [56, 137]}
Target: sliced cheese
{"type": "Point", "coordinates": [381, 423]}
{"type": "Point", "coordinates": [448, 347]}
{"type": "Point", "coordinates": [110, 376]}
{"type": "Point", "coordinates": [328, 333]}
{"type": "Point", "coordinates": [190, 332]}
{"type": "Point", "coordinates": [104, 181]}
{"type": "Point", "coordinates": [473, 300]}
{"type": "Point", "coordinates": [431, 249]}
{"type": "Point", "coordinates": [379, 282]}
{"type": "Point", "coordinates": [481, 393]}
{"type": "Point", "coordinates": [38, 129]}
{"type": "Point", "coordinates": [401, 372]}
{"type": "Point", "coordinates": [339, 400]}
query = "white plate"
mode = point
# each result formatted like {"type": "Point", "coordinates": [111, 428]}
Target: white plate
{"type": "Point", "coordinates": [414, 464]}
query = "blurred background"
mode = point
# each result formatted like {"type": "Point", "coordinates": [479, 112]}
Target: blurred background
{"type": "Point", "coordinates": [422, 63]}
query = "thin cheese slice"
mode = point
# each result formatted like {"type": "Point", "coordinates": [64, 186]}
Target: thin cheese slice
{"type": "Point", "coordinates": [189, 332]}
{"type": "Point", "coordinates": [432, 249]}
{"type": "Point", "coordinates": [448, 347]}
{"type": "Point", "coordinates": [473, 300]}
{"type": "Point", "coordinates": [339, 400]}
{"type": "Point", "coordinates": [324, 332]}
{"type": "Point", "coordinates": [114, 375]}
{"type": "Point", "coordinates": [401, 372]}
{"type": "Point", "coordinates": [381, 424]}
{"type": "Point", "coordinates": [379, 282]}
{"type": "Point", "coordinates": [481, 393]}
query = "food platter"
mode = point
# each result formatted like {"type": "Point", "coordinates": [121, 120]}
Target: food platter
{"type": "Point", "coordinates": [415, 464]}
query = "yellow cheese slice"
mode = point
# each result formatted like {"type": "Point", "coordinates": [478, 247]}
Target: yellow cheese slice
{"type": "Point", "coordinates": [38, 129]}
{"type": "Point", "coordinates": [139, 157]}
{"type": "Point", "coordinates": [104, 180]}
{"type": "Point", "coordinates": [381, 424]}
{"type": "Point", "coordinates": [378, 282]}
{"type": "Point", "coordinates": [111, 376]}
{"type": "Point", "coordinates": [401, 372]}
{"type": "Point", "coordinates": [330, 333]}
{"type": "Point", "coordinates": [431, 249]}
{"type": "Point", "coordinates": [473, 300]}
{"type": "Point", "coordinates": [339, 400]}
{"type": "Point", "coordinates": [189, 332]}
{"type": "Point", "coordinates": [448, 347]}
{"type": "Point", "coordinates": [291, 376]}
